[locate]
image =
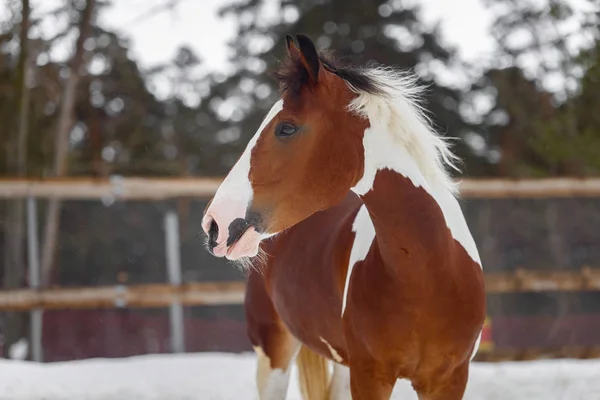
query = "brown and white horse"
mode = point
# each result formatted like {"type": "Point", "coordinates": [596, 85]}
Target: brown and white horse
{"type": "Point", "coordinates": [365, 256]}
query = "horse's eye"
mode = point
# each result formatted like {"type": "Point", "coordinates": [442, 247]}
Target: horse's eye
{"type": "Point", "coordinates": [285, 129]}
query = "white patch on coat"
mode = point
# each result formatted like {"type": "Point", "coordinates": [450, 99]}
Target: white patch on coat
{"type": "Point", "coordinates": [364, 234]}
{"type": "Point", "coordinates": [477, 343]}
{"type": "Point", "coordinates": [400, 139]}
{"type": "Point", "coordinates": [334, 354]}
{"type": "Point", "coordinates": [272, 383]}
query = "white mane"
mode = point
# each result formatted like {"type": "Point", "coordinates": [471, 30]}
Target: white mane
{"type": "Point", "coordinates": [397, 103]}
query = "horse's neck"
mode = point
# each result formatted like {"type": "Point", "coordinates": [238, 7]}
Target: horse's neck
{"type": "Point", "coordinates": [408, 211]}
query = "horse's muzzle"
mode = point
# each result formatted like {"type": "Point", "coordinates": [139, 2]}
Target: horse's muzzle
{"type": "Point", "coordinates": [239, 238]}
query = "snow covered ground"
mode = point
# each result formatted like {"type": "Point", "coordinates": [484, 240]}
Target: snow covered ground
{"type": "Point", "coordinates": [215, 376]}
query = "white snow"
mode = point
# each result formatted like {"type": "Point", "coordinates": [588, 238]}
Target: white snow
{"type": "Point", "coordinates": [18, 351]}
{"type": "Point", "coordinates": [208, 376]}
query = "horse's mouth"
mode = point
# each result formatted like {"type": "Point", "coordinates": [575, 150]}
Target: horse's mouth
{"type": "Point", "coordinates": [246, 245]}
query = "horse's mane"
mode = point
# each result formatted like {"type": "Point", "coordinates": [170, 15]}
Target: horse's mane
{"type": "Point", "coordinates": [389, 96]}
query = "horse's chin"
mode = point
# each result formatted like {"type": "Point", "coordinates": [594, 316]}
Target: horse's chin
{"type": "Point", "coordinates": [245, 253]}
{"type": "Point", "coordinates": [251, 263]}
{"type": "Point", "coordinates": [244, 263]}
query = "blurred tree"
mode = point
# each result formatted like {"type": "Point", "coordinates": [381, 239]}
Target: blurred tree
{"type": "Point", "coordinates": [184, 123]}
{"type": "Point", "coordinates": [65, 122]}
{"type": "Point", "coordinates": [118, 126]}
{"type": "Point", "coordinates": [16, 163]}
{"type": "Point", "coordinates": [579, 152]}
{"type": "Point", "coordinates": [386, 32]}
{"type": "Point", "coordinates": [533, 124]}
{"type": "Point", "coordinates": [119, 121]}
{"type": "Point", "coordinates": [519, 110]}
{"type": "Point", "coordinates": [104, 122]}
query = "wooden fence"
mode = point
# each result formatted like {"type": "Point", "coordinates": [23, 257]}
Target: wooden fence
{"type": "Point", "coordinates": [164, 188]}
{"type": "Point", "coordinates": [176, 294]}
{"type": "Point", "coordinates": [227, 293]}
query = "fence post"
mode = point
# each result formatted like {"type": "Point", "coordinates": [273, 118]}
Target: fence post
{"type": "Point", "coordinates": [174, 273]}
{"type": "Point", "coordinates": [33, 259]}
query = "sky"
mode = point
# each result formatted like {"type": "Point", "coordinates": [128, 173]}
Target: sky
{"type": "Point", "coordinates": [155, 39]}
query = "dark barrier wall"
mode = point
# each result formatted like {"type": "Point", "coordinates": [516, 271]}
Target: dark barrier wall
{"type": "Point", "coordinates": [125, 242]}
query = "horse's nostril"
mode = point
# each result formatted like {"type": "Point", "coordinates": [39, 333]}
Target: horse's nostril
{"type": "Point", "coordinates": [236, 230]}
{"type": "Point", "coordinates": [213, 233]}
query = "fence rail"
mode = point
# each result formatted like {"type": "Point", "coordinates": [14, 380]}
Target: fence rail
{"type": "Point", "coordinates": [117, 187]}
{"type": "Point", "coordinates": [120, 296]}
{"type": "Point", "coordinates": [204, 293]}
{"type": "Point", "coordinates": [525, 280]}
{"type": "Point", "coordinates": [136, 188]}
{"type": "Point", "coordinates": [529, 188]}
{"type": "Point", "coordinates": [536, 353]}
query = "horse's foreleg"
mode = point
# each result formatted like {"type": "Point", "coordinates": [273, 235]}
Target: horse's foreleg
{"type": "Point", "coordinates": [370, 378]}
{"type": "Point", "coordinates": [275, 347]}
{"type": "Point", "coordinates": [339, 389]}
{"type": "Point", "coordinates": [368, 382]}
{"type": "Point", "coordinates": [273, 370]}
{"type": "Point", "coordinates": [451, 387]}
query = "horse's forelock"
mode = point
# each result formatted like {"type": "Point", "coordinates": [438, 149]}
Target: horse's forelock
{"type": "Point", "coordinates": [292, 75]}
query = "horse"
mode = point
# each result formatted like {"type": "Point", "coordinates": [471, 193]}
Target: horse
{"type": "Point", "coordinates": [343, 209]}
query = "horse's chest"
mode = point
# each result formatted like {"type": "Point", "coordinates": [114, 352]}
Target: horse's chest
{"type": "Point", "coordinates": [303, 295]}
{"type": "Point", "coordinates": [307, 299]}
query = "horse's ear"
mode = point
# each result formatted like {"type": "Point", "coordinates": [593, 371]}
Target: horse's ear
{"type": "Point", "coordinates": [309, 56]}
{"type": "Point", "coordinates": [292, 49]}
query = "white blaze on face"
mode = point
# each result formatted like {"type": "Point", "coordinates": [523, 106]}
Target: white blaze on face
{"type": "Point", "coordinates": [233, 198]}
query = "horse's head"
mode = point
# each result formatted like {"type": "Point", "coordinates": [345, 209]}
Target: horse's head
{"type": "Point", "coordinates": [304, 158]}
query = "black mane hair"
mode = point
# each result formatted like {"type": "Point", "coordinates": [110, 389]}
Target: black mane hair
{"type": "Point", "coordinates": [293, 76]}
